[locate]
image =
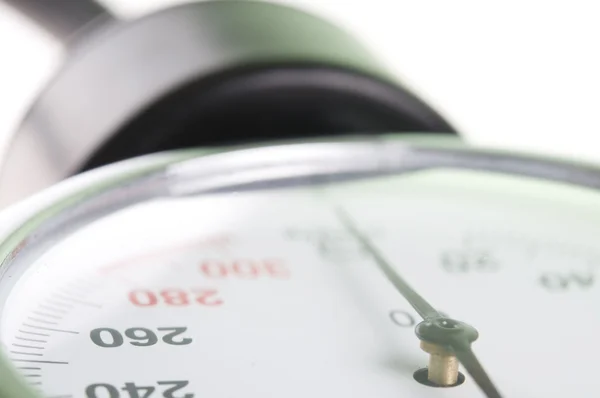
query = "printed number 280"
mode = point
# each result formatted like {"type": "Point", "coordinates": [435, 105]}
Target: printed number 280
{"type": "Point", "coordinates": [175, 297]}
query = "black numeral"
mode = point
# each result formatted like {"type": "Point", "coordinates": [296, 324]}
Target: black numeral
{"type": "Point", "coordinates": [138, 391]}
{"type": "Point", "coordinates": [402, 318]}
{"type": "Point", "coordinates": [92, 391]}
{"type": "Point", "coordinates": [142, 337]}
{"type": "Point", "coordinates": [467, 261]}
{"type": "Point", "coordinates": [139, 337]}
{"type": "Point", "coordinates": [106, 337]}
{"type": "Point", "coordinates": [103, 390]}
{"type": "Point", "coordinates": [332, 245]}
{"type": "Point", "coordinates": [177, 385]}
{"type": "Point", "coordinates": [563, 282]}
{"type": "Point", "coordinates": [169, 338]}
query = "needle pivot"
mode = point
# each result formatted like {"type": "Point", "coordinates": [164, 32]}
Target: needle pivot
{"type": "Point", "coordinates": [440, 336]}
{"type": "Point", "coordinates": [446, 332]}
{"type": "Point", "coordinates": [443, 365]}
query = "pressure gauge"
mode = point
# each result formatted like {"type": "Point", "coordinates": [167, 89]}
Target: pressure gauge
{"type": "Point", "coordinates": [305, 269]}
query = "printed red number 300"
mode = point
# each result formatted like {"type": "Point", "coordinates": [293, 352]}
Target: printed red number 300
{"type": "Point", "coordinates": [244, 269]}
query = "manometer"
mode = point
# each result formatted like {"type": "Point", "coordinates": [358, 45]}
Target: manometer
{"type": "Point", "coordinates": [238, 201]}
{"type": "Point", "coordinates": [388, 266]}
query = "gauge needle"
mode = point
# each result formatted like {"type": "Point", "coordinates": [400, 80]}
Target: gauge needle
{"type": "Point", "coordinates": [436, 329]}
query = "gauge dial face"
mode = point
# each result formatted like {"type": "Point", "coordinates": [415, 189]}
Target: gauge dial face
{"type": "Point", "coordinates": [265, 293]}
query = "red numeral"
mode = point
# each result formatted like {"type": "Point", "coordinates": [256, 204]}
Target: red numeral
{"type": "Point", "coordinates": [175, 297]}
{"type": "Point", "coordinates": [244, 269]}
{"type": "Point", "coordinates": [143, 298]}
{"type": "Point", "coordinates": [276, 269]}
{"type": "Point", "coordinates": [213, 269]}
{"type": "Point", "coordinates": [207, 297]}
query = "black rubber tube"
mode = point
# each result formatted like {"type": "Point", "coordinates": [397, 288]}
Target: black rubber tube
{"type": "Point", "coordinates": [61, 18]}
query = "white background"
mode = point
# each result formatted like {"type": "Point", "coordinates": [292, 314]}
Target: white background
{"type": "Point", "coordinates": [517, 74]}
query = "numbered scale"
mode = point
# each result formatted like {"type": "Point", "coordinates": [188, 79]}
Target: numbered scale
{"type": "Point", "coordinates": [303, 270]}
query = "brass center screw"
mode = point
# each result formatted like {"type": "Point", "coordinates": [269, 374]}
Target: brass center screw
{"type": "Point", "coordinates": [443, 365]}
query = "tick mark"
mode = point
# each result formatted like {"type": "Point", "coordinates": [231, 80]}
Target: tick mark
{"type": "Point", "coordinates": [49, 308]}
{"type": "Point", "coordinates": [60, 304]}
{"type": "Point", "coordinates": [76, 301]}
{"type": "Point", "coordinates": [75, 290]}
{"type": "Point", "coordinates": [32, 340]}
{"type": "Point", "coordinates": [26, 353]}
{"type": "Point", "coordinates": [34, 333]}
{"type": "Point", "coordinates": [38, 361]}
{"type": "Point", "coordinates": [28, 346]}
{"type": "Point", "coordinates": [50, 329]}
{"type": "Point", "coordinates": [40, 313]}
{"type": "Point", "coordinates": [42, 320]}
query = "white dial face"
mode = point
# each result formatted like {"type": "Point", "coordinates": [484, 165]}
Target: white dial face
{"type": "Point", "coordinates": [265, 294]}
